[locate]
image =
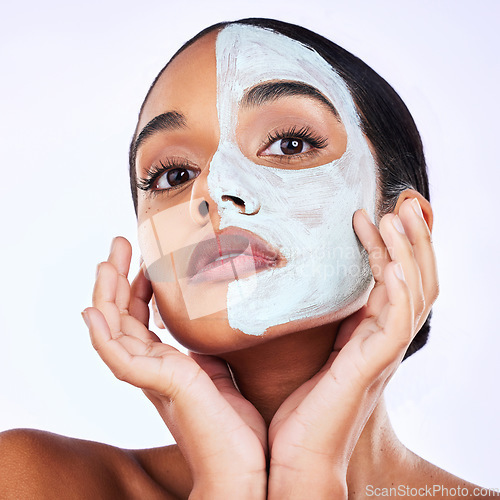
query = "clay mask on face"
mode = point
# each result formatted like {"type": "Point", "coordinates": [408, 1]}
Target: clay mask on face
{"type": "Point", "coordinates": [306, 214]}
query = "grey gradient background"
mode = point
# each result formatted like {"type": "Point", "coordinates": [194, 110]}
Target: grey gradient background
{"type": "Point", "coordinates": [73, 77]}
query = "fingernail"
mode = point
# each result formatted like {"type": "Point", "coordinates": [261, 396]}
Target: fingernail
{"type": "Point", "coordinates": [398, 271]}
{"type": "Point", "coordinates": [85, 317]}
{"type": "Point", "coordinates": [97, 270]}
{"type": "Point", "coordinates": [396, 222]}
{"type": "Point", "coordinates": [416, 206]}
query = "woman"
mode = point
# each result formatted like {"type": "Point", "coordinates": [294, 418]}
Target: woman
{"type": "Point", "coordinates": [262, 157]}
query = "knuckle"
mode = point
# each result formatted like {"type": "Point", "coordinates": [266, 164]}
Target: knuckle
{"type": "Point", "coordinates": [437, 291]}
{"type": "Point", "coordinates": [120, 374]}
{"type": "Point", "coordinates": [420, 305]}
{"type": "Point", "coordinates": [433, 293]}
{"type": "Point", "coordinates": [105, 265]}
{"type": "Point", "coordinates": [423, 234]}
{"type": "Point", "coordinates": [99, 346]}
{"type": "Point", "coordinates": [404, 340]}
{"type": "Point", "coordinates": [98, 268]}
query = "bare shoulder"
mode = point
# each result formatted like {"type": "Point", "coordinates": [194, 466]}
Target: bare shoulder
{"type": "Point", "coordinates": [39, 464]}
{"type": "Point", "coordinates": [443, 484]}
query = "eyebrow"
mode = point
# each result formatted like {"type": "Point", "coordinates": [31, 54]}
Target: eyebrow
{"type": "Point", "coordinates": [171, 120]}
{"type": "Point", "coordinates": [272, 91]}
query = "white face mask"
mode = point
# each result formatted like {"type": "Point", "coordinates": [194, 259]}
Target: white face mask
{"type": "Point", "coordinates": [305, 214]}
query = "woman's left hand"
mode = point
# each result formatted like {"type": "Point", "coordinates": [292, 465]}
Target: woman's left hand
{"type": "Point", "coordinates": [314, 432]}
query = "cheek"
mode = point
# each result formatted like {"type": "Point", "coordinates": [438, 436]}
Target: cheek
{"type": "Point", "coordinates": [170, 303]}
{"type": "Point", "coordinates": [174, 314]}
{"type": "Point", "coordinates": [210, 334]}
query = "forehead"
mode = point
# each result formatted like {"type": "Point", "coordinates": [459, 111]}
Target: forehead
{"type": "Point", "coordinates": [249, 55]}
{"type": "Point", "coordinates": [236, 58]}
{"type": "Point", "coordinates": [189, 83]}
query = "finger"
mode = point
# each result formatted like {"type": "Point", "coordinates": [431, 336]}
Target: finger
{"type": "Point", "coordinates": [120, 256]}
{"type": "Point", "coordinates": [136, 369]}
{"type": "Point", "coordinates": [400, 249]}
{"type": "Point", "coordinates": [108, 348]}
{"type": "Point", "coordinates": [140, 296]}
{"type": "Point", "coordinates": [132, 327]}
{"type": "Point", "coordinates": [378, 256]}
{"type": "Point", "coordinates": [142, 342]}
{"type": "Point", "coordinates": [119, 322]}
{"type": "Point", "coordinates": [394, 329]}
{"type": "Point", "coordinates": [420, 238]}
{"type": "Point", "coordinates": [104, 296]}
{"type": "Point", "coordinates": [372, 241]}
{"type": "Point", "coordinates": [216, 368]}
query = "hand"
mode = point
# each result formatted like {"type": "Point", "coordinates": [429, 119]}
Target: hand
{"type": "Point", "coordinates": [314, 432]}
{"type": "Point", "coordinates": [221, 435]}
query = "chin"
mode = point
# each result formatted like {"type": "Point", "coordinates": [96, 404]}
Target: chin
{"type": "Point", "coordinates": [212, 334]}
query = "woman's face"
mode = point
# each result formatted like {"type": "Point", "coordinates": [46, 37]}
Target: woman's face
{"type": "Point", "coordinates": [251, 164]}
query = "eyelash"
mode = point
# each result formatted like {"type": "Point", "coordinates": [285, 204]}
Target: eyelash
{"type": "Point", "coordinates": [155, 171]}
{"type": "Point", "coordinates": [303, 133]}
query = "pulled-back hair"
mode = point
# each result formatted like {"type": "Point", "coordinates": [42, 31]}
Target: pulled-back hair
{"type": "Point", "coordinates": [385, 121]}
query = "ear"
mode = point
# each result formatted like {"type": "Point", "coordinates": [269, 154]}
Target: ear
{"type": "Point", "coordinates": [424, 204]}
{"type": "Point", "coordinates": [158, 321]}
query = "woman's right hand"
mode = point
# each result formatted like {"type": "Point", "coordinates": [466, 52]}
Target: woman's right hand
{"type": "Point", "coordinates": [221, 434]}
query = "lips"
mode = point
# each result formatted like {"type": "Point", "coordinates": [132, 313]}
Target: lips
{"type": "Point", "coordinates": [232, 254]}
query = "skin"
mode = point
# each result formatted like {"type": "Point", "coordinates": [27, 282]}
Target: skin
{"type": "Point", "coordinates": [320, 430]}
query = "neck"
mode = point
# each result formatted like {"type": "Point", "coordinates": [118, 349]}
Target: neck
{"type": "Point", "coordinates": [379, 458]}
{"type": "Point", "coordinates": [267, 374]}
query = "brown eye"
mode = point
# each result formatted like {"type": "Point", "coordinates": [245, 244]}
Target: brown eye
{"type": "Point", "coordinates": [291, 146]}
{"type": "Point", "coordinates": [287, 146]}
{"type": "Point", "coordinates": [175, 177]}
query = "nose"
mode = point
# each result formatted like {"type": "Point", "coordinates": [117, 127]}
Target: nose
{"type": "Point", "coordinates": [232, 182]}
{"type": "Point", "coordinates": [200, 202]}
{"type": "Point", "coordinates": [244, 207]}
